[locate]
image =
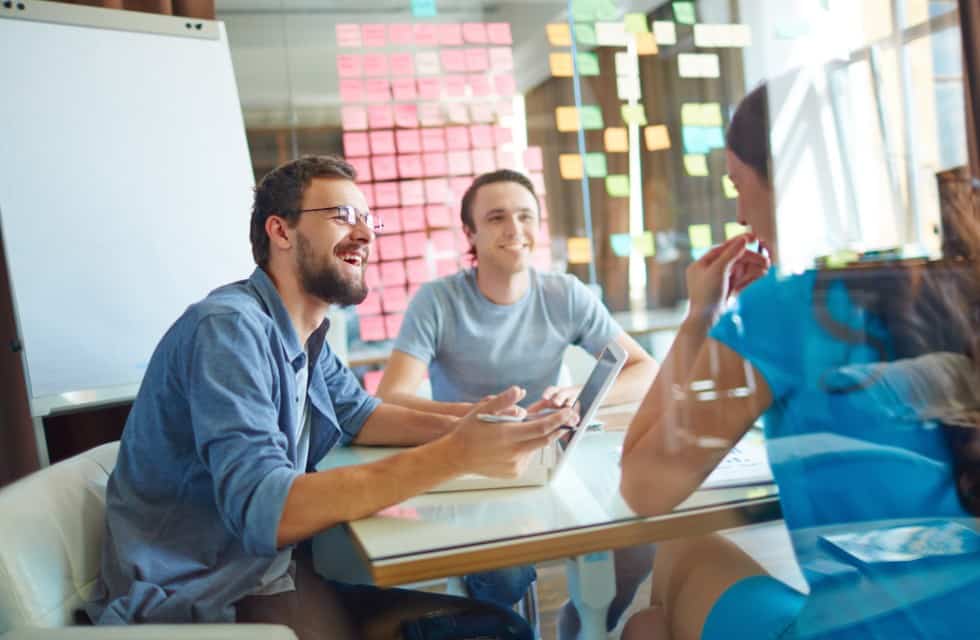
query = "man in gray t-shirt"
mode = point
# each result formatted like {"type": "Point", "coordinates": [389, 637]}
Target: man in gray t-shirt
{"type": "Point", "coordinates": [503, 323]}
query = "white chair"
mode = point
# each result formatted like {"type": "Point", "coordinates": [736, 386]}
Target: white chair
{"type": "Point", "coordinates": [50, 548]}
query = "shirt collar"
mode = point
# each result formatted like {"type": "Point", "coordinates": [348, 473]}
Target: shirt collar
{"type": "Point", "coordinates": [267, 293]}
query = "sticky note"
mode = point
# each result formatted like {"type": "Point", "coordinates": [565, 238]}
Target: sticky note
{"type": "Point", "coordinates": [610, 34]}
{"type": "Point", "coordinates": [353, 118]}
{"type": "Point", "coordinates": [457, 113]}
{"type": "Point", "coordinates": [505, 108]}
{"type": "Point", "coordinates": [371, 304]}
{"type": "Point", "coordinates": [390, 247]}
{"type": "Point", "coordinates": [408, 140]}
{"type": "Point", "coordinates": [694, 140]}
{"type": "Point", "coordinates": [499, 33]}
{"type": "Point", "coordinates": [377, 90]}
{"type": "Point", "coordinates": [646, 44]}
{"type": "Point", "coordinates": [691, 114]}
{"type": "Point", "coordinates": [386, 194]}
{"type": "Point", "coordinates": [349, 66]}
{"type": "Point", "coordinates": [621, 244]}
{"type": "Point", "coordinates": [427, 63]}
{"type": "Point", "coordinates": [700, 236]}
{"type": "Point", "coordinates": [403, 88]}
{"type": "Point", "coordinates": [584, 10]}
{"type": "Point", "coordinates": [616, 139]}
{"type": "Point", "coordinates": [450, 34]}
{"type": "Point", "coordinates": [483, 161]}
{"type": "Point", "coordinates": [406, 116]}
{"type": "Point", "coordinates": [371, 328]}
{"type": "Point", "coordinates": [792, 30]}
{"type": "Point", "coordinates": [657, 137]}
{"type": "Point", "coordinates": [501, 59]}
{"type": "Point", "coordinates": [376, 65]}
{"type": "Point", "coordinates": [698, 65]}
{"type": "Point", "coordinates": [507, 159]}
{"type": "Point", "coordinates": [351, 90]}
{"type": "Point", "coordinates": [374, 35]}
{"type": "Point", "coordinates": [412, 191]}
{"type": "Point", "coordinates": [644, 245]}
{"type": "Point", "coordinates": [443, 241]}
{"type": "Point", "coordinates": [595, 165]}
{"type": "Point", "coordinates": [533, 159]}
{"type": "Point", "coordinates": [392, 273]}
{"type": "Point", "coordinates": [452, 60]}
{"type": "Point", "coordinates": [356, 144]}
{"type": "Point", "coordinates": [424, 8]}
{"type": "Point", "coordinates": [618, 186]}
{"type": "Point", "coordinates": [696, 164]}
{"type": "Point", "coordinates": [434, 165]}
{"type": "Point", "coordinates": [401, 64]}
{"type": "Point", "coordinates": [561, 65]}
{"type": "Point", "coordinates": [413, 218]}
{"type": "Point", "coordinates": [684, 12]}
{"type": "Point", "coordinates": [438, 215]}
{"type": "Point", "coordinates": [362, 166]}
{"type": "Point", "coordinates": [591, 117]}
{"type": "Point", "coordinates": [384, 168]}
{"type": "Point", "coordinates": [430, 115]}
{"type": "Point", "coordinates": [505, 84]}
{"type": "Point", "coordinates": [588, 64]}
{"type": "Point", "coordinates": [348, 35]}
{"type": "Point", "coordinates": [636, 23]}
{"type": "Point", "coordinates": [733, 229]}
{"type": "Point", "coordinates": [722, 35]}
{"type": "Point", "coordinates": [481, 136]}
{"type": "Point", "coordinates": [479, 85]}
{"type": "Point", "coordinates": [455, 85]}
{"type": "Point", "coordinates": [714, 137]}
{"type": "Point", "coordinates": [433, 140]}
{"type": "Point", "coordinates": [585, 34]}
{"type": "Point", "coordinates": [416, 270]}
{"type": "Point", "coordinates": [665, 32]}
{"type": "Point", "coordinates": [429, 88]}
{"type": "Point", "coordinates": [537, 181]}
{"type": "Point", "coordinates": [457, 138]}
{"type": "Point", "coordinates": [628, 88]}
{"type": "Point", "coordinates": [711, 114]}
{"type": "Point", "coordinates": [436, 191]}
{"type": "Point", "coordinates": [368, 191]}
{"type": "Point", "coordinates": [410, 166]}
{"type": "Point", "coordinates": [475, 32]}
{"type": "Point", "coordinates": [460, 162]}
{"type": "Point", "coordinates": [634, 114]}
{"type": "Point", "coordinates": [458, 186]}
{"type": "Point", "coordinates": [392, 220]}
{"type": "Point", "coordinates": [446, 267]}
{"type": "Point", "coordinates": [579, 251]}
{"type": "Point", "coordinates": [728, 187]}
{"type": "Point", "coordinates": [626, 65]}
{"type": "Point", "coordinates": [502, 135]}
{"type": "Point", "coordinates": [400, 34]}
{"type": "Point", "coordinates": [380, 117]}
{"type": "Point", "coordinates": [425, 34]}
{"type": "Point", "coordinates": [558, 35]}
{"type": "Point", "coordinates": [570, 166]}
{"type": "Point", "coordinates": [393, 324]}
{"type": "Point", "coordinates": [481, 112]}
{"type": "Point", "coordinates": [567, 118]}
{"type": "Point", "coordinates": [372, 276]}
{"type": "Point", "coordinates": [382, 141]}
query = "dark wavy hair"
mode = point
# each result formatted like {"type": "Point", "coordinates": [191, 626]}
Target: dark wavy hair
{"type": "Point", "coordinates": [748, 132]}
{"type": "Point", "coordinates": [501, 175]}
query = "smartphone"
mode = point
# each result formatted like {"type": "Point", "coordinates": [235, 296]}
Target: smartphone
{"type": "Point", "coordinates": [490, 417]}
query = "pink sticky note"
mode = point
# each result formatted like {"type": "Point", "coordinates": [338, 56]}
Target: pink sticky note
{"type": "Point", "coordinates": [356, 144]}
{"type": "Point", "coordinates": [501, 135]}
{"type": "Point", "coordinates": [349, 66]}
{"type": "Point", "coordinates": [507, 159]}
{"type": "Point", "coordinates": [363, 168]}
{"type": "Point", "coordinates": [541, 259]}
{"type": "Point", "coordinates": [505, 108]}
{"type": "Point", "coordinates": [394, 299]}
{"type": "Point", "coordinates": [408, 140]}
{"type": "Point", "coordinates": [543, 207]}
{"type": "Point", "coordinates": [475, 32]}
{"type": "Point", "coordinates": [430, 115]}
{"type": "Point", "coordinates": [415, 244]}
{"type": "Point", "coordinates": [372, 379]}
{"type": "Point", "coordinates": [392, 273]}
{"type": "Point", "coordinates": [391, 218]}
{"type": "Point", "coordinates": [450, 34]}
{"type": "Point", "coordinates": [368, 191]}
{"type": "Point", "coordinates": [481, 111]}
{"type": "Point", "coordinates": [348, 35]}
{"type": "Point", "coordinates": [412, 192]}
{"type": "Point", "coordinates": [537, 179]}
{"type": "Point", "coordinates": [410, 166]}
{"type": "Point", "coordinates": [401, 65]}
{"type": "Point", "coordinates": [483, 161]}
{"type": "Point", "coordinates": [351, 90]}
{"type": "Point", "coordinates": [459, 185]}
{"type": "Point", "coordinates": [501, 59]}
{"type": "Point", "coordinates": [391, 247]}
{"type": "Point", "coordinates": [453, 60]}
{"type": "Point", "coordinates": [499, 33]}
{"type": "Point", "coordinates": [374, 35]}
{"type": "Point", "coordinates": [479, 85]}
{"type": "Point", "coordinates": [377, 90]}
{"type": "Point", "coordinates": [438, 215]}
{"type": "Point", "coordinates": [406, 115]}
{"type": "Point", "coordinates": [477, 60]}
{"type": "Point", "coordinates": [443, 241]}
{"type": "Point", "coordinates": [544, 234]}
{"type": "Point", "coordinates": [433, 140]}
{"type": "Point", "coordinates": [384, 168]}
{"type": "Point", "coordinates": [372, 276]}
{"type": "Point", "coordinates": [434, 165]}
{"type": "Point", "coordinates": [436, 190]}
{"type": "Point", "coordinates": [457, 138]}
{"type": "Point", "coordinates": [371, 304]}
{"type": "Point", "coordinates": [372, 328]}
{"type": "Point", "coordinates": [380, 116]}
{"type": "Point", "coordinates": [533, 159]}
{"type": "Point", "coordinates": [429, 88]}
{"type": "Point", "coordinates": [460, 235]}
{"type": "Point", "coordinates": [481, 135]}
{"type": "Point", "coordinates": [455, 85]}
{"type": "Point", "coordinates": [376, 65]}
{"type": "Point", "coordinates": [505, 84]}
{"type": "Point", "coordinates": [427, 63]}
{"type": "Point", "coordinates": [446, 267]}
{"type": "Point", "coordinates": [403, 89]}
{"type": "Point", "coordinates": [386, 194]}
{"type": "Point", "coordinates": [416, 270]}
{"type": "Point", "coordinates": [393, 324]}
{"type": "Point", "coordinates": [382, 141]}
{"type": "Point", "coordinates": [353, 118]}
{"type": "Point", "coordinates": [457, 113]}
{"type": "Point", "coordinates": [413, 218]}
{"type": "Point", "coordinates": [426, 35]}
{"type": "Point", "coordinates": [413, 289]}
{"type": "Point", "coordinates": [400, 34]}
{"type": "Point", "coordinates": [459, 163]}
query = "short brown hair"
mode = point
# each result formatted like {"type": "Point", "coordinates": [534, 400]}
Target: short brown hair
{"type": "Point", "coordinates": [280, 193]}
{"type": "Point", "coordinates": [501, 175]}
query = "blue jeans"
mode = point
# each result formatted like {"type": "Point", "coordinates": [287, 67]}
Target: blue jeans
{"type": "Point", "coordinates": [504, 587]}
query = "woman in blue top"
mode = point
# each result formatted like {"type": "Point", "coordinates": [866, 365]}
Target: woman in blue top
{"type": "Point", "coordinates": [868, 383]}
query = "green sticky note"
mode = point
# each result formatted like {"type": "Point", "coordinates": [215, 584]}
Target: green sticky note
{"type": "Point", "coordinates": [591, 117]}
{"type": "Point", "coordinates": [733, 229]}
{"type": "Point", "coordinates": [634, 114]}
{"type": "Point", "coordinates": [700, 235]}
{"type": "Point", "coordinates": [636, 23]}
{"type": "Point", "coordinates": [585, 34]}
{"type": "Point", "coordinates": [585, 10]}
{"type": "Point", "coordinates": [618, 186]}
{"type": "Point", "coordinates": [424, 8]}
{"type": "Point", "coordinates": [621, 244]}
{"type": "Point", "coordinates": [595, 165]}
{"type": "Point", "coordinates": [684, 12]}
{"type": "Point", "coordinates": [606, 10]}
{"type": "Point", "coordinates": [729, 188]}
{"type": "Point", "coordinates": [643, 244]}
{"type": "Point", "coordinates": [588, 64]}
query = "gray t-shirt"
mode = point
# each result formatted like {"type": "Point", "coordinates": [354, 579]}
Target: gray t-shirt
{"type": "Point", "coordinates": [474, 347]}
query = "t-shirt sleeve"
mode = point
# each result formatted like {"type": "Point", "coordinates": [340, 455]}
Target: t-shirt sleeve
{"type": "Point", "coordinates": [593, 325]}
{"type": "Point", "coordinates": [351, 403]}
{"type": "Point", "coordinates": [421, 327]}
{"type": "Point", "coordinates": [766, 326]}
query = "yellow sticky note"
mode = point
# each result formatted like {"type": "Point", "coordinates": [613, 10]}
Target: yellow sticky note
{"type": "Point", "coordinates": [700, 235]}
{"type": "Point", "coordinates": [691, 114]}
{"type": "Point", "coordinates": [711, 114]}
{"type": "Point", "coordinates": [646, 44]}
{"type": "Point", "coordinates": [733, 229]}
{"type": "Point", "coordinates": [570, 166]}
{"type": "Point", "coordinates": [665, 32]}
{"type": "Point", "coordinates": [616, 139]}
{"type": "Point", "coordinates": [636, 23]}
{"type": "Point", "coordinates": [696, 164]}
{"type": "Point", "coordinates": [618, 186]}
{"type": "Point", "coordinates": [643, 244]}
{"type": "Point", "coordinates": [559, 35]}
{"type": "Point", "coordinates": [728, 187]}
{"type": "Point", "coordinates": [634, 114]}
{"type": "Point", "coordinates": [579, 251]}
{"type": "Point", "coordinates": [567, 118]}
{"type": "Point", "coordinates": [657, 137]}
{"type": "Point", "coordinates": [561, 65]}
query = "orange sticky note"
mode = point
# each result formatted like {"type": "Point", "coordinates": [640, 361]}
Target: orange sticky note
{"type": "Point", "coordinates": [657, 137]}
{"type": "Point", "coordinates": [646, 44]}
{"type": "Point", "coordinates": [579, 251]}
{"type": "Point", "coordinates": [616, 139]}
{"type": "Point", "coordinates": [567, 118]}
{"type": "Point", "coordinates": [384, 168]}
{"type": "Point", "coordinates": [559, 35]}
{"type": "Point", "coordinates": [413, 218]}
{"type": "Point", "coordinates": [570, 166]}
{"type": "Point", "coordinates": [561, 65]}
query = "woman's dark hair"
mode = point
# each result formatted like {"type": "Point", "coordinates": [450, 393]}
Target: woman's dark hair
{"type": "Point", "coordinates": [501, 175]}
{"type": "Point", "coordinates": [748, 132]}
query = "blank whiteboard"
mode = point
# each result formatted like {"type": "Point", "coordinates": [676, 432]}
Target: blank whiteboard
{"type": "Point", "coordinates": [125, 192]}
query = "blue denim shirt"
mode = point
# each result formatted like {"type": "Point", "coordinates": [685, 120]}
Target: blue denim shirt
{"type": "Point", "coordinates": [208, 455]}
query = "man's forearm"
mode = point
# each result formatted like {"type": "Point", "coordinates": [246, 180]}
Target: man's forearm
{"type": "Point", "coordinates": [395, 425]}
{"type": "Point", "coordinates": [412, 401]}
{"type": "Point", "coordinates": [632, 382]}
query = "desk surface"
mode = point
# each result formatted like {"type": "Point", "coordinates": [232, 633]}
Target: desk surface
{"type": "Point", "coordinates": [580, 511]}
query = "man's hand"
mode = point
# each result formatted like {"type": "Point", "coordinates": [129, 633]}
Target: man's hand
{"type": "Point", "coordinates": [555, 397]}
{"type": "Point", "coordinates": [503, 450]}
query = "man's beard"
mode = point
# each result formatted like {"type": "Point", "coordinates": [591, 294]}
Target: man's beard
{"type": "Point", "coordinates": [325, 280]}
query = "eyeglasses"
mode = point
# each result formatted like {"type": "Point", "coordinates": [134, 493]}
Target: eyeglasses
{"type": "Point", "coordinates": [349, 215]}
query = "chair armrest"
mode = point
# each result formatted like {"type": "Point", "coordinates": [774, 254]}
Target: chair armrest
{"type": "Point", "coordinates": [157, 632]}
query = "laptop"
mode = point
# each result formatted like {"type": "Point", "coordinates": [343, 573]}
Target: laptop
{"type": "Point", "coordinates": [547, 462]}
